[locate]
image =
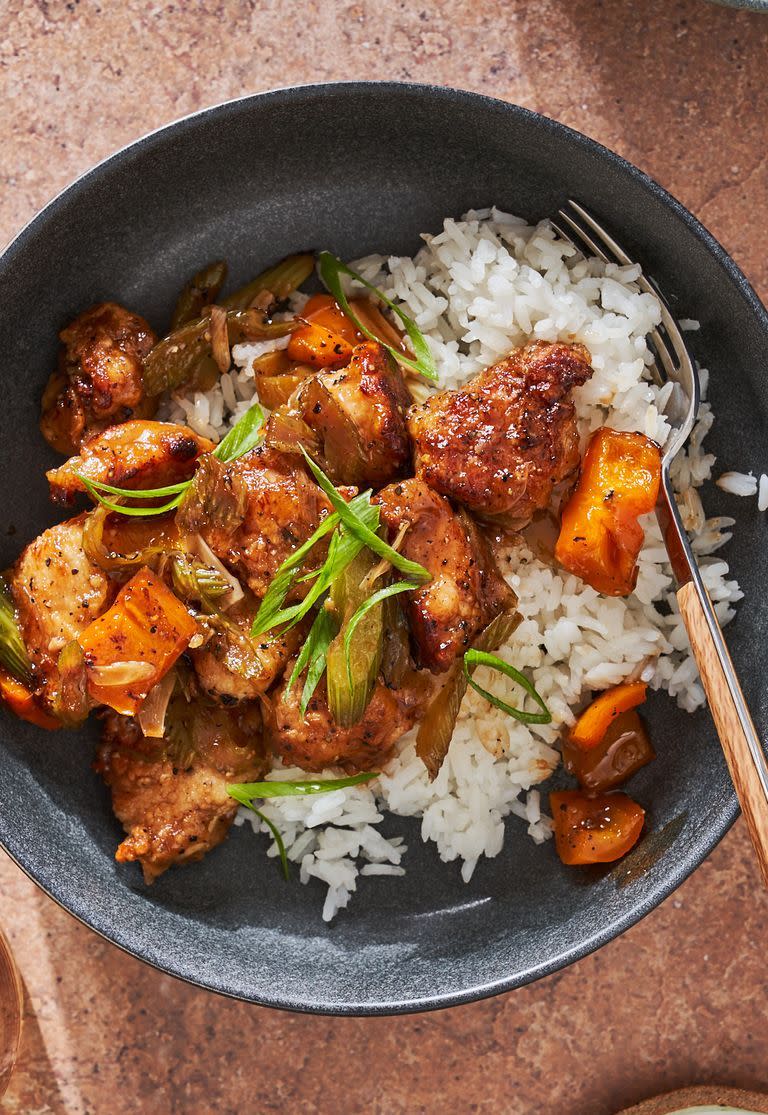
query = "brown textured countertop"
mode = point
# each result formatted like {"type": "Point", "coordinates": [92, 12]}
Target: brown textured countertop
{"type": "Point", "coordinates": [680, 89]}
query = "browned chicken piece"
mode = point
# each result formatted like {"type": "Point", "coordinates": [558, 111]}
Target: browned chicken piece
{"type": "Point", "coordinates": [99, 378]}
{"type": "Point", "coordinates": [358, 415]}
{"type": "Point", "coordinates": [136, 454]}
{"type": "Point", "coordinates": [500, 444]}
{"type": "Point", "coordinates": [315, 741]}
{"type": "Point", "coordinates": [57, 592]}
{"type": "Point", "coordinates": [466, 591]}
{"type": "Point", "coordinates": [232, 667]}
{"type": "Point", "coordinates": [171, 795]}
{"type": "Point", "coordinates": [283, 506]}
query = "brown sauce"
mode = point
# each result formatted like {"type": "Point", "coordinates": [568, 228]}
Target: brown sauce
{"type": "Point", "coordinates": [625, 748]}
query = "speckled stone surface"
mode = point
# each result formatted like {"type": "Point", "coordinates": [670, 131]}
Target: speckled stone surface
{"type": "Point", "coordinates": [678, 88]}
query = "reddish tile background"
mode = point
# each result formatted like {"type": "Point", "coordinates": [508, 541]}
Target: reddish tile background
{"type": "Point", "coordinates": [680, 89]}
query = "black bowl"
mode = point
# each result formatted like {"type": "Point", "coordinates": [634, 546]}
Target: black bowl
{"type": "Point", "coordinates": [356, 168]}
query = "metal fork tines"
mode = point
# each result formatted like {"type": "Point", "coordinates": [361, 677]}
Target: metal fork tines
{"type": "Point", "coordinates": [673, 363]}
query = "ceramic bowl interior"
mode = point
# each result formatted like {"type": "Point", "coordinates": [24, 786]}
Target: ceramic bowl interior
{"type": "Point", "coordinates": [358, 168]}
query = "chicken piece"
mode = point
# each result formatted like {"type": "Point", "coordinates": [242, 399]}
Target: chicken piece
{"type": "Point", "coordinates": [358, 415]}
{"type": "Point", "coordinates": [136, 454]}
{"type": "Point", "coordinates": [315, 741]}
{"type": "Point", "coordinates": [232, 667]}
{"type": "Point", "coordinates": [99, 378]}
{"type": "Point", "coordinates": [501, 443]}
{"type": "Point", "coordinates": [283, 506]}
{"type": "Point", "coordinates": [57, 592]}
{"type": "Point", "coordinates": [171, 795]}
{"type": "Point", "coordinates": [466, 591]}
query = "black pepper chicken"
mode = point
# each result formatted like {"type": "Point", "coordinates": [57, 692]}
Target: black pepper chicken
{"type": "Point", "coordinates": [466, 590]}
{"type": "Point", "coordinates": [358, 415]}
{"type": "Point", "coordinates": [171, 794]}
{"type": "Point", "coordinates": [500, 445]}
{"type": "Point", "coordinates": [99, 380]}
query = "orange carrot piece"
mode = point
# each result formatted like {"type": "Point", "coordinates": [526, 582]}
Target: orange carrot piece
{"type": "Point", "coordinates": [272, 364]}
{"type": "Point", "coordinates": [21, 701]}
{"type": "Point", "coordinates": [314, 344]}
{"type": "Point", "coordinates": [274, 391]}
{"type": "Point", "coordinates": [594, 722]}
{"type": "Point", "coordinates": [600, 536]}
{"type": "Point", "coordinates": [369, 315]}
{"type": "Point", "coordinates": [327, 339]}
{"type": "Point", "coordinates": [594, 829]}
{"type": "Point", "coordinates": [147, 626]}
{"type": "Point", "coordinates": [323, 309]}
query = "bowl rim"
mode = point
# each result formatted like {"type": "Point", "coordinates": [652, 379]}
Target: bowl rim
{"type": "Point", "coordinates": [681, 870]}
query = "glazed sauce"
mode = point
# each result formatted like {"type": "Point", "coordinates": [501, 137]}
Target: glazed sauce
{"type": "Point", "coordinates": [624, 749]}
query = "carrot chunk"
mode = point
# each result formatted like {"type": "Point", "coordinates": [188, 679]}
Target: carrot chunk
{"type": "Point", "coordinates": [594, 829]}
{"type": "Point", "coordinates": [594, 722]}
{"type": "Point", "coordinates": [327, 338]}
{"type": "Point", "coordinates": [600, 536]}
{"type": "Point", "coordinates": [21, 701]}
{"type": "Point", "coordinates": [131, 647]}
{"type": "Point", "coordinates": [322, 348]}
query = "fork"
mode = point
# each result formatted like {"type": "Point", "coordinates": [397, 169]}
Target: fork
{"type": "Point", "coordinates": [673, 364]}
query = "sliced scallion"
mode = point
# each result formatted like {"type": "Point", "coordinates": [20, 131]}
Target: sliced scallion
{"type": "Point", "coordinates": [139, 493]}
{"type": "Point", "coordinates": [13, 653]}
{"type": "Point", "coordinates": [358, 527]}
{"type": "Point", "coordinates": [122, 509]}
{"type": "Point", "coordinates": [343, 548]}
{"type": "Point", "coordinates": [244, 436]}
{"type": "Point", "coordinates": [312, 656]}
{"type": "Point", "coordinates": [377, 598]}
{"type": "Point", "coordinates": [475, 658]}
{"type": "Point", "coordinates": [258, 791]}
{"type": "Point", "coordinates": [277, 835]}
{"type": "Point", "coordinates": [331, 269]}
{"type": "Point", "coordinates": [247, 792]}
{"type": "Point", "coordinates": [281, 583]}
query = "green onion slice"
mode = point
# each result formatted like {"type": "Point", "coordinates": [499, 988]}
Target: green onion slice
{"type": "Point", "coordinates": [246, 792]}
{"type": "Point", "coordinates": [343, 548]}
{"type": "Point", "coordinates": [121, 509]}
{"type": "Point", "coordinates": [482, 658]}
{"type": "Point", "coordinates": [13, 652]}
{"type": "Point", "coordinates": [140, 493]}
{"type": "Point", "coordinates": [277, 835]}
{"type": "Point", "coordinates": [278, 840]}
{"type": "Point", "coordinates": [260, 790]}
{"type": "Point", "coordinates": [244, 436]}
{"type": "Point", "coordinates": [365, 607]}
{"type": "Point", "coordinates": [355, 525]}
{"type": "Point", "coordinates": [318, 658]}
{"type": "Point", "coordinates": [312, 657]}
{"type": "Point", "coordinates": [331, 269]}
{"type": "Point", "coordinates": [341, 551]}
{"type": "Point", "coordinates": [281, 583]}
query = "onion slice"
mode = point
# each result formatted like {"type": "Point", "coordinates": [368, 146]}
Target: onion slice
{"type": "Point", "coordinates": [121, 673]}
{"type": "Point", "coordinates": [151, 715]}
{"type": "Point", "coordinates": [200, 548]}
{"type": "Point", "coordinates": [220, 339]}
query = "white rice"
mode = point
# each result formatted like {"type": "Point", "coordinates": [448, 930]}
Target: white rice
{"type": "Point", "coordinates": [738, 483]}
{"type": "Point", "coordinates": [762, 493]}
{"type": "Point", "coordinates": [480, 287]}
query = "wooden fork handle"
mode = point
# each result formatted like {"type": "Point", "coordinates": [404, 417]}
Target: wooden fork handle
{"type": "Point", "coordinates": [743, 751]}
